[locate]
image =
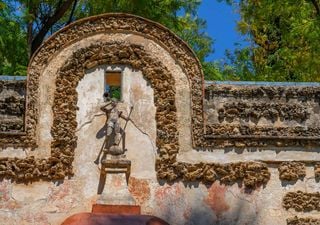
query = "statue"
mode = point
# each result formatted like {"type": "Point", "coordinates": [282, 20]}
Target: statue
{"type": "Point", "coordinates": [114, 133]}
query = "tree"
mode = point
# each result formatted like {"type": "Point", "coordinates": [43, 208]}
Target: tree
{"type": "Point", "coordinates": [40, 17]}
{"type": "Point", "coordinates": [13, 47]}
{"type": "Point", "coordinates": [178, 15]}
{"type": "Point", "coordinates": [44, 17]}
{"type": "Point", "coordinates": [285, 40]}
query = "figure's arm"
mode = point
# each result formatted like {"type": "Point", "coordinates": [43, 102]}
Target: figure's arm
{"type": "Point", "coordinates": [124, 117]}
{"type": "Point", "coordinates": [104, 108]}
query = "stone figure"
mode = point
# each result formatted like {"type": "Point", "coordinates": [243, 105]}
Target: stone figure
{"type": "Point", "coordinates": [114, 133]}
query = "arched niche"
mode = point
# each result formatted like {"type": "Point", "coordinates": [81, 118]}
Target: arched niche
{"type": "Point", "coordinates": [56, 68]}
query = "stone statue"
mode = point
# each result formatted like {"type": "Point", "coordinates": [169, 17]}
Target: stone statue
{"type": "Point", "coordinates": [114, 133]}
{"type": "Point", "coordinates": [113, 159]}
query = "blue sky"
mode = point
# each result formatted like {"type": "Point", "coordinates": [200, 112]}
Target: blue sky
{"type": "Point", "coordinates": [221, 26]}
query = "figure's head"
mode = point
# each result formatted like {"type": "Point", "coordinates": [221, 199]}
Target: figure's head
{"type": "Point", "coordinates": [106, 96]}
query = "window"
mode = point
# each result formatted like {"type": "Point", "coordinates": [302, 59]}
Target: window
{"type": "Point", "coordinates": [112, 85]}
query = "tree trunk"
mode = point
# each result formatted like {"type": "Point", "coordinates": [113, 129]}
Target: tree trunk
{"type": "Point", "coordinates": [46, 25]}
{"type": "Point", "coordinates": [316, 6]}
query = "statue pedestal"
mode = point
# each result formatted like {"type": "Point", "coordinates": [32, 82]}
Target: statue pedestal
{"type": "Point", "coordinates": [115, 197]}
{"type": "Point", "coordinates": [115, 191]}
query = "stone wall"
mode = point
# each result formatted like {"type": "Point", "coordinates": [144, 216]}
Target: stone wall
{"type": "Point", "coordinates": [225, 153]}
{"type": "Point", "coordinates": [262, 114]}
{"type": "Point", "coordinates": [224, 201]}
{"type": "Point", "coordinates": [12, 105]}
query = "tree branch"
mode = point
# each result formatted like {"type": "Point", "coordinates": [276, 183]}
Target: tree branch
{"type": "Point", "coordinates": [316, 6]}
{"type": "Point", "coordinates": [59, 12]}
{"type": "Point", "coordinates": [30, 31]}
{"type": "Point", "coordinates": [72, 12]}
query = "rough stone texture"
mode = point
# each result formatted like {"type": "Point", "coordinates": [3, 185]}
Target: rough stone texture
{"type": "Point", "coordinates": [63, 131]}
{"type": "Point", "coordinates": [251, 174]}
{"type": "Point", "coordinates": [303, 221]}
{"type": "Point", "coordinates": [190, 203]}
{"type": "Point", "coordinates": [163, 80]}
{"type": "Point", "coordinates": [317, 171]}
{"type": "Point", "coordinates": [256, 115]}
{"type": "Point", "coordinates": [12, 106]}
{"type": "Point", "coordinates": [113, 23]}
{"type": "Point", "coordinates": [292, 171]}
{"type": "Point", "coordinates": [64, 120]}
{"type": "Point", "coordinates": [64, 123]}
{"type": "Point", "coordinates": [302, 201]}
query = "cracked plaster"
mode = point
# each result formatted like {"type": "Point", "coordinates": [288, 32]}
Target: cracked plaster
{"type": "Point", "coordinates": [186, 200]}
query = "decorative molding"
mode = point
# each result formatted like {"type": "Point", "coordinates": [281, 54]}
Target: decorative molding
{"type": "Point", "coordinates": [64, 142]}
{"type": "Point", "coordinates": [292, 171]}
{"type": "Point", "coordinates": [251, 174]}
{"type": "Point", "coordinates": [64, 123]}
{"type": "Point", "coordinates": [302, 201]}
{"type": "Point", "coordinates": [12, 110]}
{"type": "Point", "coordinates": [303, 221]}
{"type": "Point", "coordinates": [255, 115]}
{"type": "Point", "coordinates": [112, 23]}
{"type": "Point", "coordinates": [231, 111]}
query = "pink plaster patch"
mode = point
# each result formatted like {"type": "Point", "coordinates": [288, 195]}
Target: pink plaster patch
{"type": "Point", "coordinates": [60, 192]}
{"type": "Point", "coordinates": [140, 190]}
{"type": "Point", "coordinates": [4, 191]}
{"type": "Point", "coordinates": [12, 204]}
{"type": "Point", "coordinates": [116, 181]}
{"type": "Point", "coordinates": [216, 199]}
{"type": "Point", "coordinates": [63, 196]}
{"type": "Point", "coordinates": [5, 200]}
{"type": "Point", "coordinates": [35, 218]}
{"type": "Point", "coordinates": [167, 190]}
{"type": "Point", "coordinates": [172, 202]}
{"type": "Point", "coordinates": [187, 213]}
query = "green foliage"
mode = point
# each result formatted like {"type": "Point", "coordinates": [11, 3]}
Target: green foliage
{"type": "Point", "coordinates": [212, 71]}
{"type": "Point", "coordinates": [13, 43]}
{"type": "Point", "coordinates": [115, 92]}
{"type": "Point", "coordinates": [178, 15]}
{"type": "Point", "coordinates": [285, 37]}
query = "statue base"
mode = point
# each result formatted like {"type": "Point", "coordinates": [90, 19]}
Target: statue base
{"type": "Point", "coordinates": [113, 187]}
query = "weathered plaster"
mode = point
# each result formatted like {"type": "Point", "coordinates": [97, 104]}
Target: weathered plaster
{"type": "Point", "coordinates": [162, 79]}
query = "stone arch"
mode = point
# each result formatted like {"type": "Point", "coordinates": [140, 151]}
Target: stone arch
{"type": "Point", "coordinates": [64, 124]}
{"type": "Point", "coordinates": [122, 23]}
{"type": "Point", "coordinates": [64, 119]}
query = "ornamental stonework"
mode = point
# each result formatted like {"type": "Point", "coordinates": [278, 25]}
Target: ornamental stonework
{"type": "Point", "coordinates": [250, 174]}
{"type": "Point", "coordinates": [303, 221]}
{"type": "Point", "coordinates": [64, 139]}
{"type": "Point", "coordinates": [12, 106]}
{"type": "Point", "coordinates": [225, 153]}
{"type": "Point", "coordinates": [292, 171]}
{"type": "Point", "coordinates": [302, 201]}
{"type": "Point", "coordinates": [260, 115]}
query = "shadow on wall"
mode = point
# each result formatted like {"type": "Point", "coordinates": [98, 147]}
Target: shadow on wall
{"type": "Point", "coordinates": [238, 216]}
{"type": "Point", "coordinates": [219, 206]}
